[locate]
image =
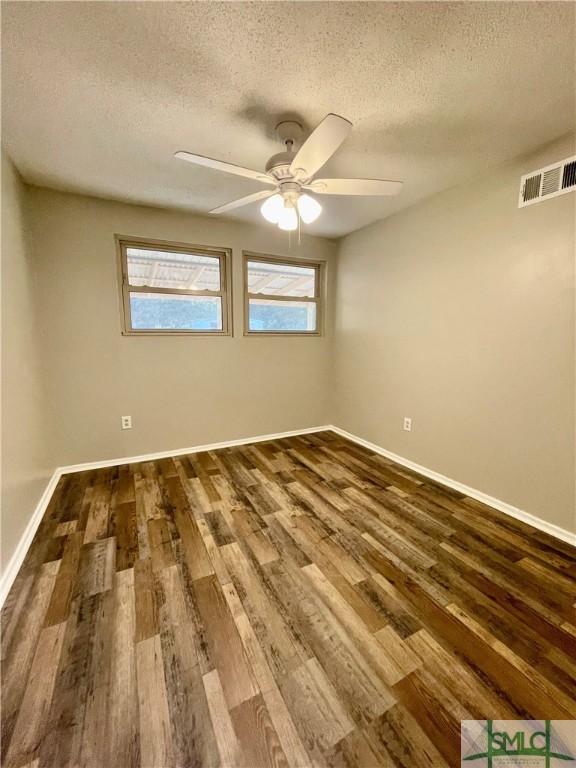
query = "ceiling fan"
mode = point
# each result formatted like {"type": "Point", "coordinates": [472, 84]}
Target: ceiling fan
{"type": "Point", "coordinates": [290, 173]}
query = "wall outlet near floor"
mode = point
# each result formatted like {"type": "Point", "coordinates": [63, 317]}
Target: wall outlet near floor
{"type": "Point", "coordinates": [407, 424]}
{"type": "Point", "coordinates": [126, 422]}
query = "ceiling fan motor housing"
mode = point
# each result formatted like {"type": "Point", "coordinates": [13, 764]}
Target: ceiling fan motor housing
{"type": "Point", "coordinates": [290, 133]}
{"type": "Point", "coordinates": [279, 165]}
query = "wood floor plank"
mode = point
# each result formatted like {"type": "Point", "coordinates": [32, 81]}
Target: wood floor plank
{"type": "Point", "coordinates": [214, 552]}
{"type": "Point", "coordinates": [316, 708]}
{"type": "Point", "coordinates": [96, 568]}
{"type": "Point", "coordinates": [398, 651]}
{"type": "Point", "coordinates": [226, 648]}
{"type": "Point", "coordinates": [33, 713]}
{"type": "Point", "coordinates": [297, 603]}
{"type": "Point", "coordinates": [290, 739]}
{"type": "Point", "coordinates": [193, 738]}
{"type": "Point", "coordinates": [474, 692]}
{"type": "Point", "coordinates": [63, 529]}
{"type": "Point", "coordinates": [355, 751]}
{"type": "Point", "coordinates": [376, 653]}
{"type": "Point", "coordinates": [161, 551]}
{"type": "Point", "coordinates": [226, 738]}
{"type": "Point", "coordinates": [197, 559]}
{"type": "Point", "coordinates": [258, 738]}
{"type": "Point", "coordinates": [96, 724]}
{"type": "Point", "coordinates": [146, 598]}
{"type": "Point", "coordinates": [401, 736]}
{"type": "Point", "coordinates": [126, 535]}
{"type": "Point", "coordinates": [99, 512]}
{"type": "Point", "coordinates": [76, 678]}
{"type": "Point", "coordinates": [26, 625]}
{"type": "Point", "coordinates": [435, 710]}
{"type": "Point", "coordinates": [154, 717]}
{"type": "Point", "coordinates": [294, 750]}
{"type": "Point", "coordinates": [12, 614]}
{"type": "Point", "coordinates": [537, 689]}
{"type": "Point", "coordinates": [280, 644]}
{"type": "Point", "coordinates": [66, 581]}
{"type": "Point", "coordinates": [365, 694]}
{"type": "Point", "coordinates": [123, 733]}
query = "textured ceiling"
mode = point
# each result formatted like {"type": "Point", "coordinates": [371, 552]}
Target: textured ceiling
{"type": "Point", "coordinates": [98, 95]}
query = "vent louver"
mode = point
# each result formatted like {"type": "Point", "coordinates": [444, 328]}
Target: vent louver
{"type": "Point", "coordinates": [569, 175]}
{"type": "Point", "coordinates": [551, 181]}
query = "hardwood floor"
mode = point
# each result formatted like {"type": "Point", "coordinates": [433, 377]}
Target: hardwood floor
{"type": "Point", "coordinates": [291, 603]}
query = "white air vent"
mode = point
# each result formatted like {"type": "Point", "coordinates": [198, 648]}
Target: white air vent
{"type": "Point", "coordinates": [551, 181]}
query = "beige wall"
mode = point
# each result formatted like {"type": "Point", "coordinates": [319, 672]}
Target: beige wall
{"type": "Point", "coordinates": [180, 391]}
{"type": "Point", "coordinates": [25, 469]}
{"type": "Point", "coordinates": [459, 313]}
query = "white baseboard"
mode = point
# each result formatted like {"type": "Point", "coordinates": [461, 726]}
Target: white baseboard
{"type": "Point", "coordinates": [183, 451]}
{"type": "Point", "coordinates": [15, 562]}
{"type": "Point", "coordinates": [502, 506]}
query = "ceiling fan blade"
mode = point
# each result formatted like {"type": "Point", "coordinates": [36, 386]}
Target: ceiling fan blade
{"type": "Point", "coordinates": [220, 165]}
{"type": "Point", "coordinates": [320, 145]}
{"type": "Point", "coordinates": [355, 187]}
{"type": "Point", "coordinates": [244, 201]}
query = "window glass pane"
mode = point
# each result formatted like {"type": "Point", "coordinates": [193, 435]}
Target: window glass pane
{"type": "Point", "coordinates": [165, 311]}
{"type": "Point", "coordinates": [270, 315]}
{"type": "Point", "coordinates": [281, 279]}
{"type": "Point", "coordinates": [160, 269]}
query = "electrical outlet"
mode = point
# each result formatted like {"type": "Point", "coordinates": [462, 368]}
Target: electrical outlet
{"type": "Point", "coordinates": [407, 424]}
{"type": "Point", "coordinates": [126, 422]}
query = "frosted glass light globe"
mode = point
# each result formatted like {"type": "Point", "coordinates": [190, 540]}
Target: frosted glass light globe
{"type": "Point", "coordinates": [308, 208]}
{"type": "Point", "coordinates": [272, 208]}
{"type": "Point", "coordinates": [288, 219]}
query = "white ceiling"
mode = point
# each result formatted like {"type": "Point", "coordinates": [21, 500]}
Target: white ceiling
{"type": "Point", "coordinates": [97, 96]}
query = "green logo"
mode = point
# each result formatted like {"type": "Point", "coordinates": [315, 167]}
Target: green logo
{"type": "Point", "coordinates": [533, 738]}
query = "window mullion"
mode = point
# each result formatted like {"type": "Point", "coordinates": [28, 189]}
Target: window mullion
{"type": "Point", "coordinates": [177, 291]}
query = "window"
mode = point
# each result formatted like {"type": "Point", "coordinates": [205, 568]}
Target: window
{"type": "Point", "coordinates": [281, 296]}
{"type": "Point", "coordinates": [172, 288]}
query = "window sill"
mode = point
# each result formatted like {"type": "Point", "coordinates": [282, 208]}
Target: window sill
{"type": "Point", "coordinates": [193, 334]}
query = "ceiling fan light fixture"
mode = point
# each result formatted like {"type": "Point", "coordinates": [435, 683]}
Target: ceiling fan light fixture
{"type": "Point", "coordinates": [288, 219]}
{"type": "Point", "coordinates": [290, 172]}
{"type": "Point", "coordinates": [308, 208]}
{"type": "Point", "coordinates": [272, 208]}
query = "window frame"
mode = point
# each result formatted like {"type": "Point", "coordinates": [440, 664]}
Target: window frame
{"type": "Point", "coordinates": [318, 298]}
{"type": "Point", "coordinates": [224, 255]}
